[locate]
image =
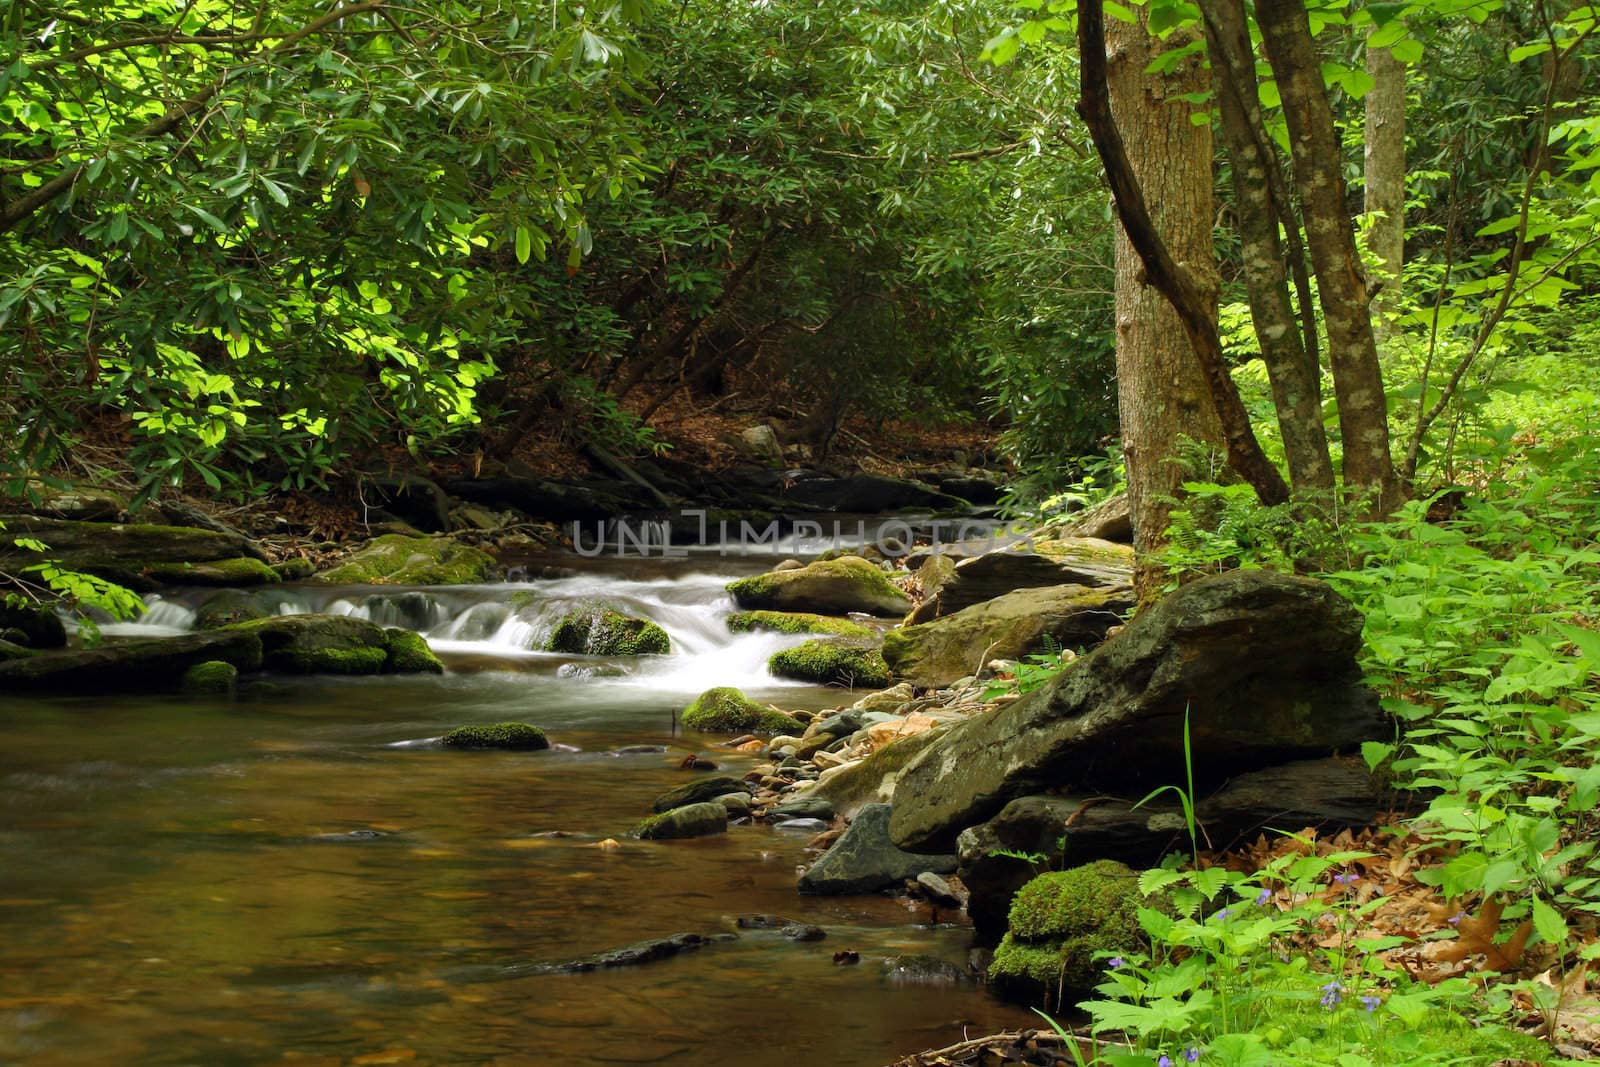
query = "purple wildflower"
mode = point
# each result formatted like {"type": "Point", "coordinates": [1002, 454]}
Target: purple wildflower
{"type": "Point", "coordinates": [1192, 1055]}
{"type": "Point", "coordinates": [1164, 1061]}
{"type": "Point", "coordinates": [1455, 920]}
{"type": "Point", "coordinates": [1222, 916]}
{"type": "Point", "coordinates": [1371, 1003]}
{"type": "Point", "coordinates": [1116, 963]}
{"type": "Point", "coordinates": [1332, 994]}
{"type": "Point", "coordinates": [1347, 879]}
{"type": "Point", "coordinates": [1262, 898]}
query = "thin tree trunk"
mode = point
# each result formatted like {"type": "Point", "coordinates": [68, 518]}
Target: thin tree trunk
{"type": "Point", "coordinates": [1384, 175]}
{"type": "Point", "coordinates": [1292, 370]}
{"type": "Point", "coordinates": [1352, 349]}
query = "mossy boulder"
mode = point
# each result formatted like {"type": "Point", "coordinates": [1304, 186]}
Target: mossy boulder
{"type": "Point", "coordinates": [699, 791]}
{"type": "Point", "coordinates": [599, 630]}
{"type": "Point", "coordinates": [228, 607]}
{"type": "Point", "coordinates": [210, 678]}
{"type": "Point", "coordinates": [396, 559]}
{"type": "Point", "coordinates": [691, 820]}
{"type": "Point", "coordinates": [242, 570]}
{"type": "Point", "coordinates": [1059, 922]}
{"type": "Point", "coordinates": [516, 736]}
{"type": "Point", "coordinates": [156, 663]}
{"type": "Point", "coordinates": [319, 644]}
{"type": "Point", "coordinates": [833, 661]}
{"type": "Point", "coordinates": [295, 569]}
{"type": "Point", "coordinates": [826, 587]}
{"type": "Point", "coordinates": [34, 625]}
{"type": "Point", "coordinates": [725, 710]}
{"type": "Point", "coordinates": [408, 653]}
{"type": "Point", "coordinates": [794, 622]}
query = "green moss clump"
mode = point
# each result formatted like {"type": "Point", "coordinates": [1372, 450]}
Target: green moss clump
{"type": "Point", "coordinates": [339, 660]}
{"type": "Point", "coordinates": [243, 570]}
{"type": "Point", "coordinates": [408, 653]}
{"type": "Point", "coordinates": [294, 570]}
{"type": "Point", "coordinates": [509, 735]}
{"type": "Point", "coordinates": [833, 661]}
{"type": "Point", "coordinates": [603, 631]}
{"type": "Point", "coordinates": [211, 677]}
{"type": "Point", "coordinates": [1060, 921]}
{"type": "Point", "coordinates": [725, 710]}
{"type": "Point", "coordinates": [757, 589]}
{"type": "Point", "coordinates": [794, 622]}
{"type": "Point", "coordinates": [395, 559]}
{"type": "Point", "coordinates": [320, 644]}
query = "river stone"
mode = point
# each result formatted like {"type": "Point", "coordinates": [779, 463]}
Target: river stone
{"type": "Point", "coordinates": [319, 644]}
{"type": "Point", "coordinates": [923, 970]}
{"type": "Point", "coordinates": [864, 860]}
{"type": "Point", "coordinates": [1261, 665]}
{"type": "Point", "coordinates": [738, 804]}
{"type": "Point", "coordinates": [940, 891]}
{"type": "Point", "coordinates": [803, 808]}
{"type": "Point", "coordinates": [129, 666]}
{"type": "Point", "coordinates": [872, 780]}
{"type": "Point", "coordinates": [803, 932]}
{"type": "Point", "coordinates": [137, 555]}
{"type": "Point", "coordinates": [885, 700]}
{"type": "Point", "coordinates": [761, 443]}
{"type": "Point", "coordinates": [228, 607]}
{"type": "Point", "coordinates": [211, 678]}
{"type": "Point", "coordinates": [841, 724]}
{"type": "Point", "coordinates": [801, 826]}
{"type": "Point", "coordinates": [600, 630]}
{"type": "Point", "coordinates": [844, 661]}
{"type": "Point", "coordinates": [826, 587]}
{"type": "Point", "coordinates": [699, 791]}
{"type": "Point", "coordinates": [395, 559]}
{"type": "Point", "coordinates": [1329, 794]}
{"type": "Point", "coordinates": [936, 654]}
{"type": "Point", "coordinates": [691, 820]}
{"type": "Point", "coordinates": [1079, 561]}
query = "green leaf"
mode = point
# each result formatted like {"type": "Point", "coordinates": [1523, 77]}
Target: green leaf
{"type": "Point", "coordinates": [1548, 923]}
{"type": "Point", "coordinates": [524, 244]}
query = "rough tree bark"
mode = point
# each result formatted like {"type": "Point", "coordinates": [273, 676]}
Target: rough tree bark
{"type": "Point", "coordinates": [1259, 194]}
{"type": "Point", "coordinates": [1341, 285]}
{"type": "Point", "coordinates": [1384, 174]}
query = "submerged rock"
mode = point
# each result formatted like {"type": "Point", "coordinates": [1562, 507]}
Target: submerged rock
{"type": "Point", "coordinates": [1261, 665]}
{"type": "Point", "coordinates": [395, 559]}
{"type": "Point", "coordinates": [516, 736]}
{"type": "Point", "coordinates": [794, 622]}
{"type": "Point", "coordinates": [599, 630]}
{"type": "Point", "coordinates": [726, 710]}
{"type": "Point", "coordinates": [826, 587]}
{"type": "Point", "coordinates": [864, 860]}
{"type": "Point", "coordinates": [923, 971]}
{"type": "Point", "coordinates": [938, 653]}
{"type": "Point", "coordinates": [129, 666]}
{"type": "Point", "coordinates": [691, 820]}
{"type": "Point", "coordinates": [699, 791]}
{"type": "Point", "coordinates": [833, 661]}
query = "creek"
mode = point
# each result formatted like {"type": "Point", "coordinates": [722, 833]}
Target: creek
{"type": "Point", "coordinates": [297, 875]}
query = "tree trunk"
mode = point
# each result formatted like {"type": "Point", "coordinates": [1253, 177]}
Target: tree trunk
{"type": "Point", "coordinates": [1385, 175]}
{"type": "Point", "coordinates": [1291, 368]}
{"type": "Point", "coordinates": [1341, 285]}
{"type": "Point", "coordinates": [1161, 393]}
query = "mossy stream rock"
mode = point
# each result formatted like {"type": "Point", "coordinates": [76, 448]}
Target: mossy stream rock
{"type": "Point", "coordinates": [229, 607]}
{"type": "Point", "coordinates": [337, 644]}
{"type": "Point", "coordinates": [1058, 922]}
{"type": "Point", "coordinates": [864, 860]}
{"type": "Point", "coordinates": [1261, 666]}
{"type": "Point", "coordinates": [726, 710]}
{"type": "Point", "coordinates": [826, 587]}
{"type": "Point", "coordinates": [515, 736]}
{"type": "Point", "coordinates": [794, 622]}
{"type": "Point", "coordinates": [691, 820]}
{"type": "Point", "coordinates": [1063, 562]}
{"type": "Point", "coordinates": [1008, 627]}
{"type": "Point", "coordinates": [699, 791]}
{"type": "Point", "coordinates": [157, 663]}
{"type": "Point", "coordinates": [210, 678]}
{"type": "Point", "coordinates": [395, 559]}
{"type": "Point", "coordinates": [833, 661]}
{"type": "Point", "coordinates": [600, 630]}
{"type": "Point", "coordinates": [140, 556]}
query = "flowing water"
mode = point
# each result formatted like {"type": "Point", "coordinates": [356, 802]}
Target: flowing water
{"type": "Point", "coordinates": [297, 875]}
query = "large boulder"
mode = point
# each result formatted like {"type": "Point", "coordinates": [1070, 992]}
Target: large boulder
{"type": "Point", "coordinates": [726, 710]}
{"type": "Point", "coordinates": [395, 559]}
{"type": "Point", "coordinates": [826, 587]}
{"type": "Point", "coordinates": [129, 666]}
{"type": "Point", "coordinates": [1328, 794]}
{"type": "Point", "coordinates": [139, 556]}
{"type": "Point", "coordinates": [864, 860]}
{"type": "Point", "coordinates": [1260, 665]}
{"type": "Point", "coordinates": [598, 630]}
{"type": "Point", "coordinates": [1079, 561]}
{"type": "Point", "coordinates": [691, 820]}
{"type": "Point", "coordinates": [939, 652]}
{"type": "Point", "coordinates": [336, 644]}
{"type": "Point", "coordinates": [793, 622]}
{"type": "Point", "coordinates": [844, 661]}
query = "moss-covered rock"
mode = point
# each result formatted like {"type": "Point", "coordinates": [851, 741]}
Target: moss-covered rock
{"type": "Point", "coordinates": [699, 791]}
{"type": "Point", "coordinates": [241, 570]}
{"type": "Point", "coordinates": [294, 570]}
{"type": "Point", "coordinates": [129, 666]}
{"type": "Point", "coordinates": [827, 587]}
{"type": "Point", "coordinates": [319, 644]}
{"type": "Point", "coordinates": [408, 653]}
{"type": "Point", "coordinates": [725, 710]}
{"type": "Point", "coordinates": [598, 630]}
{"type": "Point", "coordinates": [210, 677]}
{"type": "Point", "coordinates": [34, 625]}
{"type": "Point", "coordinates": [395, 559]}
{"type": "Point", "coordinates": [794, 622]}
{"type": "Point", "coordinates": [1059, 922]}
{"type": "Point", "coordinates": [691, 820]}
{"type": "Point", "coordinates": [518, 736]}
{"type": "Point", "coordinates": [228, 607]}
{"type": "Point", "coordinates": [833, 661]}
{"type": "Point", "coordinates": [140, 556]}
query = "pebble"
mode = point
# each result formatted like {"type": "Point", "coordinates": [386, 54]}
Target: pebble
{"type": "Point", "coordinates": [736, 803]}
{"type": "Point", "coordinates": [940, 891]}
{"type": "Point", "coordinates": [804, 826]}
